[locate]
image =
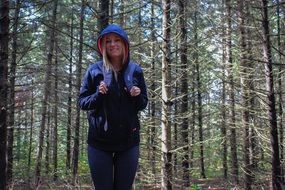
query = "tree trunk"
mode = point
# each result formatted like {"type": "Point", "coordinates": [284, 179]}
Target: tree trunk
{"type": "Point", "coordinates": [17, 153]}
{"type": "Point", "coordinates": [280, 89]}
{"type": "Point", "coordinates": [48, 134]}
{"type": "Point", "coordinates": [4, 39]}
{"type": "Point", "coordinates": [69, 102]}
{"type": "Point", "coordinates": [175, 142]}
{"type": "Point", "coordinates": [200, 122]}
{"type": "Point", "coordinates": [31, 132]}
{"type": "Point", "coordinates": [193, 118]}
{"type": "Point", "coordinates": [253, 146]}
{"type": "Point", "coordinates": [55, 117]}
{"type": "Point", "coordinates": [153, 96]}
{"type": "Point", "coordinates": [122, 13]}
{"type": "Point", "coordinates": [46, 96]}
{"type": "Point", "coordinates": [111, 19]}
{"type": "Point", "coordinates": [272, 116]}
{"type": "Point", "coordinates": [199, 98]}
{"type": "Point", "coordinates": [184, 92]}
{"type": "Point", "coordinates": [11, 96]}
{"type": "Point", "coordinates": [78, 84]}
{"type": "Point", "coordinates": [245, 95]}
{"type": "Point", "coordinates": [233, 143]}
{"type": "Point", "coordinates": [224, 129]}
{"type": "Point", "coordinates": [103, 20]}
{"type": "Point", "coordinates": [166, 170]}
{"type": "Point", "coordinates": [224, 106]}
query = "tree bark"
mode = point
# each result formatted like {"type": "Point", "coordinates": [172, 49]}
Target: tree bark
{"type": "Point", "coordinates": [193, 116]}
{"type": "Point", "coordinates": [233, 143]}
{"type": "Point", "coordinates": [280, 88]}
{"type": "Point", "coordinates": [245, 71]}
{"type": "Point", "coordinates": [200, 122]}
{"type": "Point", "coordinates": [122, 13]}
{"type": "Point", "coordinates": [48, 140]}
{"type": "Point", "coordinates": [224, 106]}
{"type": "Point", "coordinates": [153, 96]}
{"type": "Point", "coordinates": [31, 132]}
{"type": "Point", "coordinates": [69, 102]}
{"type": "Point", "coordinates": [253, 146]}
{"type": "Point", "coordinates": [103, 20]}
{"type": "Point", "coordinates": [175, 142]}
{"type": "Point", "coordinates": [55, 117]}
{"type": "Point", "coordinates": [184, 91]}
{"type": "Point", "coordinates": [46, 96]}
{"type": "Point", "coordinates": [166, 170]}
{"type": "Point", "coordinates": [272, 116]}
{"type": "Point", "coordinates": [78, 84]}
{"type": "Point", "coordinates": [199, 97]}
{"type": "Point", "coordinates": [11, 96]}
{"type": "Point", "coordinates": [111, 18]}
{"type": "Point", "coordinates": [4, 39]}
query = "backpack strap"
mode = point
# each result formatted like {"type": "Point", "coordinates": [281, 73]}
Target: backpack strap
{"type": "Point", "coordinates": [107, 78]}
{"type": "Point", "coordinates": [129, 75]}
{"type": "Point", "coordinates": [107, 75]}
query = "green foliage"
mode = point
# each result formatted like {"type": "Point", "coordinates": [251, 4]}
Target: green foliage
{"type": "Point", "coordinates": [195, 187]}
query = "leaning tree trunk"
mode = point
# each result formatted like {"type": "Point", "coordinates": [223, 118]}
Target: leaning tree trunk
{"type": "Point", "coordinates": [275, 160]}
{"type": "Point", "coordinates": [166, 169]}
{"type": "Point", "coordinates": [4, 39]}
{"type": "Point", "coordinates": [46, 96]}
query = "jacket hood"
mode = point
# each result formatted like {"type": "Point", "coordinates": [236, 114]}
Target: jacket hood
{"type": "Point", "coordinates": [112, 28]}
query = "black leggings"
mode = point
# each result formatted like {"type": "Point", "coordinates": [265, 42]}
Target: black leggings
{"type": "Point", "coordinates": [113, 170]}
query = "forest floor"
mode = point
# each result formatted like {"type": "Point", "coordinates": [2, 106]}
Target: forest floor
{"type": "Point", "coordinates": [200, 184]}
{"type": "Point", "coordinates": [222, 184]}
{"type": "Point", "coordinates": [210, 184]}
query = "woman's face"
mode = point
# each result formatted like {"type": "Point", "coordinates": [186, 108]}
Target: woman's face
{"type": "Point", "coordinates": [114, 45]}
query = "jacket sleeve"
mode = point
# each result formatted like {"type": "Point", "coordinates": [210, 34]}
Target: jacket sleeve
{"type": "Point", "coordinates": [89, 96]}
{"type": "Point", "coordinates": [142, 99]}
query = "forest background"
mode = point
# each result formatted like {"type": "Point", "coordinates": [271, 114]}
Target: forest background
{"type": "Point", "coordinates": [215, 76]}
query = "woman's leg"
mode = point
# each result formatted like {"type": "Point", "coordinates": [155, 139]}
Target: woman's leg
{"type": "Point", "coordinates": [101, 167]}
{"type": "Point", "coordinates": [125, 167]}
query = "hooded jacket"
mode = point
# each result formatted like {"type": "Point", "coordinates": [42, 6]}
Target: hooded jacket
{"type": "Point", "coordinates": [112, 117]}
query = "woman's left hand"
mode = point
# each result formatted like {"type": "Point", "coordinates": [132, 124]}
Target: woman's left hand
{"type": "Point", "coordinates": [135, 91]}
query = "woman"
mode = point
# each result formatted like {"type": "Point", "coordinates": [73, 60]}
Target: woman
{"type": "Point", "coordinates": [113, 103]}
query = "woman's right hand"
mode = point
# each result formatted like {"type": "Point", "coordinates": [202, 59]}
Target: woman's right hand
{"type": "Point", "coordinates": [135, 91]}
{"type": "Point", "coordinates": [103, 88]}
